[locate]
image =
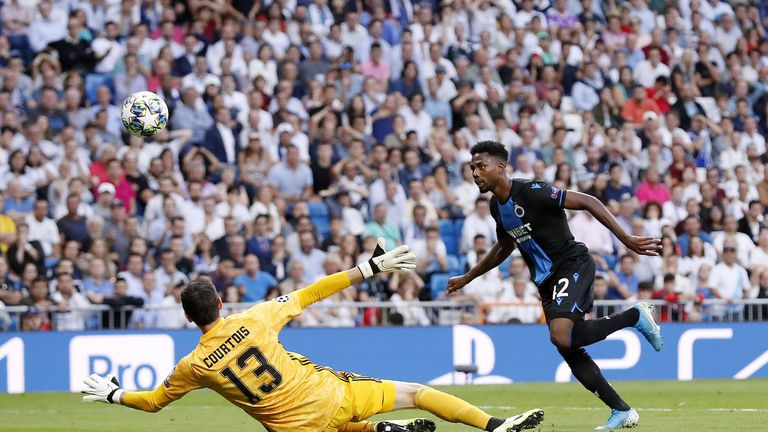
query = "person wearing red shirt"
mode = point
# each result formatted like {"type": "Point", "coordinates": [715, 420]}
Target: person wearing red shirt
{"type": "Point", "coordinates": [659, 93]}
{"type": "Point", "coordinates": [633, 109]}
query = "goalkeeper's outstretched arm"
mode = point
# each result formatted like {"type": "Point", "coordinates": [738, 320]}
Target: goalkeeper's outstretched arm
{"type": "Point", "coordinates": [108, 390]}
{"type": "Point", "coordinates": [398, 259]}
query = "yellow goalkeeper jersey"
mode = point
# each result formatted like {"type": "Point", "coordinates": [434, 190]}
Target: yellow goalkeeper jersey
{"type": "Point", "coordinates": [242, 360]}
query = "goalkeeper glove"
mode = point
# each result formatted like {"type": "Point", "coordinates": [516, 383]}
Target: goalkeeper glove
{"type": "Point", "coordinates": [106, 390]}
{"type": "Point", "coordinates": [398, 259]}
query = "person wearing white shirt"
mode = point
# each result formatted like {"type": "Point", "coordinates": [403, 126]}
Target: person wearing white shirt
{"type": "Point", "coordinates": [479, 222]}
{"type": "Point", "coordinates": [406, 298]}
{"type": "Point", "coordinates": [730, 282]}
{"type": "Point", "coordinates": [333, 46]}
{"type": "Point", "coordinates": [474, 132]}
{"type": "Point", "coordinates": [524, 308]}
{"type": "Point", "coordinates": [648, 70]}
{"type": "Point", "coordinates": [70, 315]}
{"type": "Point", "coordinates": [355, 35]}
{"type": "Point", "coordinates": [276, 38]}
{"type": "Point", "coordinates": [108, 49]}
{"type": "Point", "coordinates": [320, 17]}
{"type": "Point", "coordinates": [416, 119]}
{"type": "Point", "coordinates": [727, 34]}
{"type": "Point", "coordinates": [265, 66]}
{"type": "Point", "coordinates": [44, 229]}
{"type": "Point", "coordinates": [751, 137]}
{"type": "Point", "coordinates": [133, 276]}
{"type": "Point", "coordinates": [731, 235]}
{"type": "Point", "coordinates": [466, 192]}
{"type": "Point", "coordinates": [591, 232]}
{"type": "Point", "coordinates": [50, 25]}
{"type": "Point", "coordinates": [199, 79]}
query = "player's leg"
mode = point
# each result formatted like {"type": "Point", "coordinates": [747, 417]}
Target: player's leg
{"type": "Point", "coordinates": [583, 367]}
{"type": "Point", "coordinates": [455, 410]}
{"type": "Point", "coordinates": [410, 425]}
{"type": "Point", "coordinates": [571, 296]}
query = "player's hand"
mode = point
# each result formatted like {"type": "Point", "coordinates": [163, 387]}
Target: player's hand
{"type": "Point", "coordinates": [398, 259]}
{"type": "Point", "coordinates": [456, 283]}
{"type": "Point", "coordinates": [100, 389]}
{"type": "Point", "coordinates": [650, 246]}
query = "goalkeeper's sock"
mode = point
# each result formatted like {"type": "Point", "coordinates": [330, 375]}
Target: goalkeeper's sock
{"type": "Point", "coordinates": [450, 408]}
{"type": "Point", "coordinates": [588, 373]}
{"type": "Point", "coordinates": [358, 427]}
{"type": "Point", "coordinates": [590, 331]}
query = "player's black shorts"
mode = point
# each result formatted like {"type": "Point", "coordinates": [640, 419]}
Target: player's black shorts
{"type": "Point", "coordinates": [569, 292]}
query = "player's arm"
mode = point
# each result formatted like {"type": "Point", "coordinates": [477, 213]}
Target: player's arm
{"type": "Point", "coordinates": [498, 253]}
{"type": "Point", "coordinates": [641, 245]}
{"type": "Point", "coordinates": [398, 259]}
{"type": "Point", "coordinates": [107, 390]}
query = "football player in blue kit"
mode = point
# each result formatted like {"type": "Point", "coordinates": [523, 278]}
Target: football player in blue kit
{"type": "Point", "coordinates": [530, 215]}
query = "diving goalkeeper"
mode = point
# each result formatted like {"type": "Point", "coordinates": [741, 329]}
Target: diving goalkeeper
{"type": "Point", "coordinates": [240, 357]}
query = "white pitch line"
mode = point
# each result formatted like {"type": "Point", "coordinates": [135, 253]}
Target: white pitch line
{"type": "Point", "coordinates": [572, 408]}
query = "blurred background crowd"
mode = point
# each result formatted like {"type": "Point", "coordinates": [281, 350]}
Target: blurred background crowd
{"type": "Point", "coordinates": [300, 130]}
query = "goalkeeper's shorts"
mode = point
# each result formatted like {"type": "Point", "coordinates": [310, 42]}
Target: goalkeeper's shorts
{"type": "Point", "coordinates": [364, 397]}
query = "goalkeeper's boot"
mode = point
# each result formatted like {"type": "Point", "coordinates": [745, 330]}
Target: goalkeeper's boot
{"type": "Point", "coordinates": [526, 420]}
{"type": "Point", "coordinates": [621, 420]}
{"type": "Point", "coordinates": [648, 327]}
{"type": "Point", "coordinates": [411, 425]}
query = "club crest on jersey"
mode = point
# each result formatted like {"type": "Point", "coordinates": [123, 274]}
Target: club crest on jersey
{"type": "Point", "coordinates": [519, 211]}
{"type": "Point", "coordinates": [167, 382]}
{"type": "Point", "coordinates": [282, 299]}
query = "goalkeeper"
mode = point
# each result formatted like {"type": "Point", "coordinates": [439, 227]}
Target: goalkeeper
{"type": "Point", "coordinates": [240, 357]}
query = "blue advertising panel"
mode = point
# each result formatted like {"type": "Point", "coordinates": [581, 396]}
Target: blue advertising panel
{"type": "Point", "coordinates": [59, 361]}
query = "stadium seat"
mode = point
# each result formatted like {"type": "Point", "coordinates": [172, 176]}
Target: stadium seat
{"type": "Point", "coordinates": [463, 263]}
{"type": "Point", "coordinates": [454, 265]}
{"type": "Point", "coordinates": [318, 212]}
{"type": "Point", "coordinates": [438, 283]}
{"type": "Point", "coordinates": [449, 235]}
{"type": "Point", "coordinates": [504, 267]}
{"type": "Point", "coordinates": [93, 82]}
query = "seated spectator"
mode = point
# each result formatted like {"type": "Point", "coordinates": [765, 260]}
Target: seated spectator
{"type": "Point", "coordinates": [71, 304]}
{"type": "Point", "coordinates": [97, 286]}
{"type": "Point", "coordinates": [406, 289]}
{"type": "Point", "coordinates": [479, 222]}
{"type": "Point", "coordinates": [518, 305]}
{"type": "Point", "coordinates": [431, 255]}
{"type": "Point", "coordinates": [254, 283]}
{"type": "Point", "coordinates": [24, 251]}
{"type": "Point", "coordinates": [379, 227]}
{"type": "Point", "coordinates": [119, 317]}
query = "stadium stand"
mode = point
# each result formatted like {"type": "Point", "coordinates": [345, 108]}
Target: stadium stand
{"type": "Point", "coordinates": [658, 108]}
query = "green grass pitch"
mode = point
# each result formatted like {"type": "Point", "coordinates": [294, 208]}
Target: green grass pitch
{"type": "Point", "coordinates": [733, 406]}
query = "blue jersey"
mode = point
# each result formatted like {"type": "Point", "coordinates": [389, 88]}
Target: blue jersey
{"type": "Point", "coordinates": [534, 218]}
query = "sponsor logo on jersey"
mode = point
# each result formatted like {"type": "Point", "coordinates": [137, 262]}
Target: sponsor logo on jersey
{"type": "Point", "coordinates": [521, 233]}
{"type": "Point", "coordinates": [535, 186]}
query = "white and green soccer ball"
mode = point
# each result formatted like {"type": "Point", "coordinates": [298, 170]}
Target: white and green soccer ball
{"type": "Point", "coordinates": [144, 114]}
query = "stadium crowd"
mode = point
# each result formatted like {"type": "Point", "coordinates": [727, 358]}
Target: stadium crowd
{"type": "Point", "coordinates": [301, 130]}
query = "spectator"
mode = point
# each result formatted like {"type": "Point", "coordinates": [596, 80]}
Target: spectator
{"type": "Point", "coordinates": [71, 304]}
{"type": "Point", "coordinates": [480, 222]}
{"type": "Point", "coordinates": [24, 251]}
{"type": "Point", "coordinates": [730, 282]}
{"type": "Point", "coordinates": [44, 230]}
{"type": "Point", "coordinates": [379, 227]}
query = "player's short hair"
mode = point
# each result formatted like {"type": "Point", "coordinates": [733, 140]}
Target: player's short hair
{"type": "Point", "coordinates": [200, 301]}
{"type": "Point", "coordinates": [493, 148]}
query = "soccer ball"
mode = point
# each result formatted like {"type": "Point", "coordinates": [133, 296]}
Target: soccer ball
{"type": "Point", "coordinates": [144, 114]}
